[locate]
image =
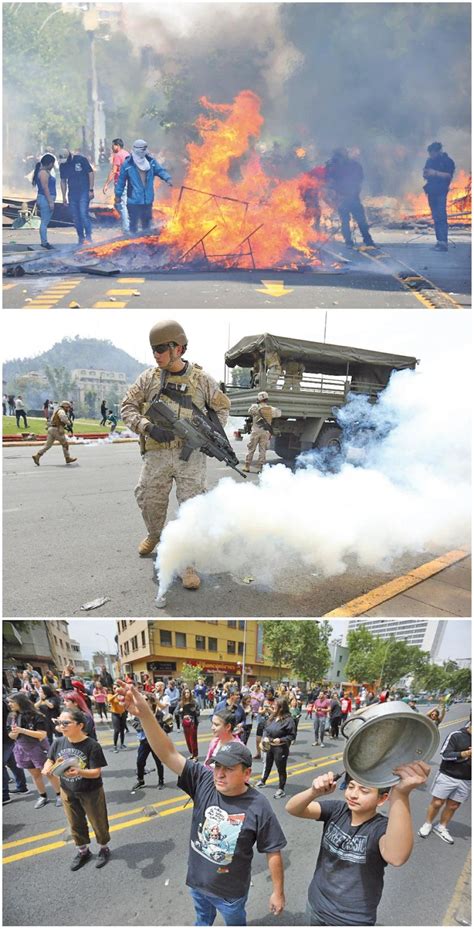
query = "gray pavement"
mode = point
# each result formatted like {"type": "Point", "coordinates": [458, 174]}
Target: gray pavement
{"type": "Point", "coordinates": [447, 593]}
{"type": "Point", "coordinates": [144, 882]}
{"type": "Point", "coordinates": [71, 535]}
{"type": "Point", "coordinates": [367, 282]}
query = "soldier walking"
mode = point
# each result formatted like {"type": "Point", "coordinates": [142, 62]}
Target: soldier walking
{"type": "Point", "coordinates": [180, 384]}
{"type": "Point", "coordinates": [262, 414]}
{"type": "Point", "coordinates": [59, 424]}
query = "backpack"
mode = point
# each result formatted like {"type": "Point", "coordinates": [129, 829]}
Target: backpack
{"type": "Point", "coordinates": [344, 705]}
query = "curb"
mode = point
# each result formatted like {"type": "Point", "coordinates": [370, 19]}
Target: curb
{"type": "Point", "coordinates": [31, 444]}
{"type": "Point", "coordinates": [398, 585]}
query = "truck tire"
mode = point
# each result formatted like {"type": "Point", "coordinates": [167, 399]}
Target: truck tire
{"type": "Point", "coordinates": [329, 437]}
{"type": "Point", "coordinates": [282, 447]}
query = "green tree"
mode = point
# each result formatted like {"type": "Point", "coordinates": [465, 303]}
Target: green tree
{"type": "Point", "coordinates": [60, 382]}
{"type": "Point", "coordinates": [310, 656]}
{"type": "Point", "coordinates": [191, 672]}
{"type": "Point", "coordinates": [365, 660]}
{"type": "Point", "coordinates": [460, 681]}
{"type": "Point", "coordinates": [432, 677]}
{"type": "Point", "coordinates": [278, 638]}
{"type": "Point", "coordinates": [240, 377]}
{"type": "Point", "coordinates": [90, 403]}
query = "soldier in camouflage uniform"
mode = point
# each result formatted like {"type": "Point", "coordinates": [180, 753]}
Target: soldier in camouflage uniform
{"type": "Point", "coordinates": [262, 414]}
{"type": "Point", "coordinates": [59, 423]}
{"type": "Point", "coordinates": [182, 384]}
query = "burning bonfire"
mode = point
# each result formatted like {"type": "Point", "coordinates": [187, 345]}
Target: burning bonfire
{"type": "Point", "coordinates": [230, 212]}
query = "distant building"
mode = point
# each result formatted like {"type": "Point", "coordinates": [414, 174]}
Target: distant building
{"type": "Point", "coordinates": [426, 633]}
{"type": "Point", "coordinates": [25, 642]}
{"type": "Point", "coordinates": [101, 658]}
{"type": "Point", "coordinates": [81, 665]}
{"type": "Point", "coordinates": [61, 645]}
{"type": "Point", "coordinates": [103, 383]}
{"type": "Point", "coordinates": [339, 658]}
{"type": "Point", "coordinates": [222, 648]}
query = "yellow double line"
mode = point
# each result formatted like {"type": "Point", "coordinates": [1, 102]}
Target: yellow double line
{"type": "Point", "coordinates": [119, 292]}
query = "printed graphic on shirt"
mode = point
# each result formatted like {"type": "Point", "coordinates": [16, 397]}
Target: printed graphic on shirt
{"type": "Point", "coordinates": [80, 761]}
{"type": "Point", "coordinates": [217, 836]}
{"type": "Point", "coordinates": [346, 847]}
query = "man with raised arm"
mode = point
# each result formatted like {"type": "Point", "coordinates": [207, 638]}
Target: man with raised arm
{"type": "Point", "coordinates": [229, 818]}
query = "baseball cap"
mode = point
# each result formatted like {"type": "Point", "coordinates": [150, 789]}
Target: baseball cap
{"type": "Point", "coordinates": [233, 753]}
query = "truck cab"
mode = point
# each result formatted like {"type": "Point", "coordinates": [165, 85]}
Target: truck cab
{"type": "Point", "coordinates": [308, 382]}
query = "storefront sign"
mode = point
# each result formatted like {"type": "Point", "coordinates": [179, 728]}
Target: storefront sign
{"type": "Point", "coordinates": [217, 666]}
{"type": "Point", "coordinates": [161, 666]}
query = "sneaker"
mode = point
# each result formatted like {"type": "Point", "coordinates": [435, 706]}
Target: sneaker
{"type": "Point", "coordinates": [440, 247]}
{"type": "Point", "coordinates": [102, 857]}
{"type": "Point", "coordinates": [160, 785]}
{"type": "Point", "coordinates": [80, 860]}
{"type": "Point", "coordinates": [46, 245]}
{"type": "Point", "coordinates": [443, 834]}
{"type": "Point", "coordinates": [279, 793]}
{"type": "Point", "coordinates": [314, 743]}
{"type": "Point", "coordinates": [257, 757]}
{"type": "Point", "coordinates": [41, 801]}
{"type": "Point", "coordinates": [322, 744]}
{"type": "Point", "coordinates": [260, 784]}
{"type": "Point", "coordinates": [138, 785]}
{"type": "Point", "coordinates": [59, 802]}
{"type": "Point", "coordinates": [425, 830]}
{"type": "Point", "coordinates": [4, 802]}
{"type": "Point", "coordinates": [115, 750]}
{"type": "Point", "coordinates": [21, 790]}
{"type": "Point", "coordinates": [123, 747]}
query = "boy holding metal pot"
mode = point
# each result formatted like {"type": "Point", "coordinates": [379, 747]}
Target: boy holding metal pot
{"type": "Point", "coordinates": [357, 844]}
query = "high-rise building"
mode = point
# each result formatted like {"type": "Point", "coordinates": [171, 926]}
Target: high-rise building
{"type": "Point", "coordinates": [426, 633]}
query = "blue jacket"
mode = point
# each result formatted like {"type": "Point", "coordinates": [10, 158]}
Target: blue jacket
{"type": "Point", "coordinates": [137, 192]}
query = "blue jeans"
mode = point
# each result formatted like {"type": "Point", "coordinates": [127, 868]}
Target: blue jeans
{"type": "Point", "coordinates": [207, 905]}
{"type": "Point", "coordinates": [18, 773]}
{"type": "Point", "coordinates": [122, 209]}
{"type": "Point", "coordinates": [46, 213]}
{"type": "Point", "coordinates": [80, 216]}
{"type": "Point", "coordinates": [319, 729]}
{"type": "Point", "coordinates": [437, 202]}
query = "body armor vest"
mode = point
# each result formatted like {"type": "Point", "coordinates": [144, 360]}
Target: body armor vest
{"type": "Point", "coordinates": [264, 412]}
{"type": "Point", "coordinates": [179, 394]}
{"type": "Point", "coordinates": [56, 421]}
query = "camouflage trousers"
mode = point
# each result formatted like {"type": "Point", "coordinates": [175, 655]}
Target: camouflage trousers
{"type": "Point", "coordinates": [160, 468]}
{"type": "Point", "coordinates": [261, 438]}
{"type": "Point", "coordinates": [54, 435]}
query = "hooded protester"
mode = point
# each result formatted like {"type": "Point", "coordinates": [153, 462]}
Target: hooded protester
{"type": "Point", "coordinates": [137, 175]}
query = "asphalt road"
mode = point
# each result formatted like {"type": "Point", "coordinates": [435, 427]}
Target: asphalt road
{"type": "Point", "coordinates": [71, 536]}
{"type": "Point", "coordinates": [367, 282]}
{"type": "Point", "coordinates": [144, 882]}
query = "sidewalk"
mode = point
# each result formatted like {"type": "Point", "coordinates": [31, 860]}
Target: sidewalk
{"type": "Point", "coordinates": [448, 593]}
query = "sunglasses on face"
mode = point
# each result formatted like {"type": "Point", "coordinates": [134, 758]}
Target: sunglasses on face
{"type": "Point", "coordinates": [162, 348]}
{"type": "Point", "coordinates": [63, 723]}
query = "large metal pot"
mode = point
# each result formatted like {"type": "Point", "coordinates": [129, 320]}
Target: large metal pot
{"type": "Point", "coordinates": [381, 737]}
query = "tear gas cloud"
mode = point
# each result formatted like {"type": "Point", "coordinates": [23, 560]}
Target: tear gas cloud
{"type": "Point", "coordinates": [405, 491]}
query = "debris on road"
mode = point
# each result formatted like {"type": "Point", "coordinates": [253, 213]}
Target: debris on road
{"type": "Point", "coordinates": [95, 604]}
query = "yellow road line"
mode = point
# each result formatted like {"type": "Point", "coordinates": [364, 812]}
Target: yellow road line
{"type": "Point", "coordinates": [462, 885]}
{"type": "Point", "coordinates": [9, 286]}
{"type": "Point", "coordinates": [108, 304]}
{"type": "Point", "coordinates": [130, 280]}
{"type": "Point", "coordinates": [123, 292]}
{"type": "Point", "coordinates": [36, 838]}
{"type": "Point", "coordinates": [34, 851]}
{"type": "Point", "coordinates": [422, 299]}
{"type": "Point", "coordinates": [399, 584]}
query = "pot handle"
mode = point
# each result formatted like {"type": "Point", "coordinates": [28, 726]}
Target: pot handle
{"type": "Point", "coordinates": [350, 720]}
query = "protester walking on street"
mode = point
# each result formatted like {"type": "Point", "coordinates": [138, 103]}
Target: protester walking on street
{"type": "Point", "coordinates": [82, 791]}
{"type": "Point", "coordinates": [144, 747]}
{"type": "Point", "coordinates": [321, 708]}
{"type": "Point", "coordinates": [229, 818]}
{"type": "Point", "coordinates": [452, 785]}
{"type": "Point", "coordinates": [119, 717]}
{"type": "Point", "coordinates": [188, 710]}
{"type": "Point", "coordinates": [344, 177]}
{"type": "Point", "coordinates": [119, 154]}
{"type": "Point", "coordinates": [278, 734]}
{"type": "Point", "coordinates": [438, 174]}
{"type": "Point", "coordinates": [357, 844]}
{"type": "Point", "coordinates": [45, 183]}
{"type": "Point", "coordinates": [20, 412]}
{"type": "Point", "coordinates": [99, 695]}
{"type": "Point", "coordinates": [335, 715]}
{"type": "Point", "coordinates": [77, 187]}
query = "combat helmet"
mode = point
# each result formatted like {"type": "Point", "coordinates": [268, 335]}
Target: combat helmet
{"type": "Point", "coordinates": [167, 330]}
{"type": "Point", "coordinates": [66, 403]}
{"type": "Point", "coordinates": [262, 395]}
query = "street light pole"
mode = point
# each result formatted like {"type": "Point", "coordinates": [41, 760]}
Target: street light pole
{"type": "Point", "coordinates": [243, 654]}
{"type": "Point", "coordinates": [102, 636]}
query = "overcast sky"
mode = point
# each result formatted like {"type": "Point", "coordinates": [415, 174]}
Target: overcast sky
{"type": "Point", "coordinates": [420, 333]}
{"type": "Point", "coordinates": [89, 632]}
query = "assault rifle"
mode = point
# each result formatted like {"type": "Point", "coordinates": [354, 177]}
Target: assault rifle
{"type": "Point", "coordinates": [202, 432]}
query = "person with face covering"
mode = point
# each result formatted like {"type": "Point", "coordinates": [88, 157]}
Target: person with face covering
{"type": "Point", "coordinates": [137, 175]}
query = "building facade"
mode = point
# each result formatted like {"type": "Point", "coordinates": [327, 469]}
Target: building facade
{"type": "Point", "coordinates": [426, 633]}
{"type": "Point", "coordinates": [339, 658]}
{"type": "Point", "coordinates": [42, 643]}
{"type": "Point", "coordinates": [105, 384]}
{"type": "Point", "coordinates": [222, 648]}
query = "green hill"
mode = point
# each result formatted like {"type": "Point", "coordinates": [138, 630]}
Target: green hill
{"type": "Point", "coordinates": [77, 353]}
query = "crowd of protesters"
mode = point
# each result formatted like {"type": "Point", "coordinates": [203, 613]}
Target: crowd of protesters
{"type": "Point", "coordinates": [49, 732]}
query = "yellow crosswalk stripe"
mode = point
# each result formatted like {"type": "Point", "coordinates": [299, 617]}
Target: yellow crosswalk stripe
{"type": "Point", "coordinates": [9, 286]}
{"type": "Point", "coordinates": [109, 304]}
{"type": "Point", "coordinates": [130, 280]}
{"type": "Point", "coordinates": [125, 293]}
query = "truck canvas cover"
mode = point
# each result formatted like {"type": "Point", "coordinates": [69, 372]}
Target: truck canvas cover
{"type": "Point", "coordinates": [320, 357]}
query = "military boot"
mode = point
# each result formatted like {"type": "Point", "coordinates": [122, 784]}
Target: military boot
{"type": "Point", "coordinates": [147, 545]}
{"type": "Point", "coordinates": [36, 459]}
{"type": "Point", "coordinates": [190, 579]}
{"type": "Point", "coordinates": [70, 460]}
{"type": "Point", "coordinates": [245, 467]}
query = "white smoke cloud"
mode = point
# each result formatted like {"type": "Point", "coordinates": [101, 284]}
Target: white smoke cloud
{"type": "Point", "coordinates": [410, 494]}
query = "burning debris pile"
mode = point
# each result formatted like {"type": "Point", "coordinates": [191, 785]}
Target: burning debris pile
{"type": "Point", "coordinates": [413, 210]}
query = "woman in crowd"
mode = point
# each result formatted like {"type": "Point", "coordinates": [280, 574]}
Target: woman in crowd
{"type": "Point", "coordinates": [222, 725]}
{"type": "Point", "coordinates": [28, 730]}
{"type": "Point", "coordinates": [265, 711]}
{"type": "Point", "coordinates": [144, 747]}
{"type": "Point", "coordinates": [44, 181]}
{"type": "Point", "coordinates": [188, 710]}
{"type": "Point", "coordinates": [246, 705]}
{"type": "Point", "coordinates": [279, 733]}
{"type": "Point", "coordinates": [295, 712]}
{"type": "Point", "coordinates": [335, 715]}
{"type": "Point", "coordinates": [74, 699]}
{"type": "Point", "coordinates": [99, 694]}
{"type": "Point", "coordinates": [437, 714]}
{"type": "Point", "coordinates": [49, 705]}
{"type": "Point", "coordinates": [119, 716]}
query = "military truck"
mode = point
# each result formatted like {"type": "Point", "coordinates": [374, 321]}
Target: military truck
{"type": "Point", "coordinates": [307, 381]}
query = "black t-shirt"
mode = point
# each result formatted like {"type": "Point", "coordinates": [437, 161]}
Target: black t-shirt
{"type": "Point", "coordinates": [223, 833]}
{"type": "Point", "coordinates": [76, 172]}
{"type": "Point", "coordinates": [348, 881]}
{"type": "Point", "coordinates": [452, 764]}
{"type": "Point", "coordinates": [440, 162]}
{"type": "Point", "coordinates": [89, 754]}
{"type": "Point", "coordinates": [50, 714]}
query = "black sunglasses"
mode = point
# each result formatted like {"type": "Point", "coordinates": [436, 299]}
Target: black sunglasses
{"type": "Point", "coordinates": [162, 348]}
